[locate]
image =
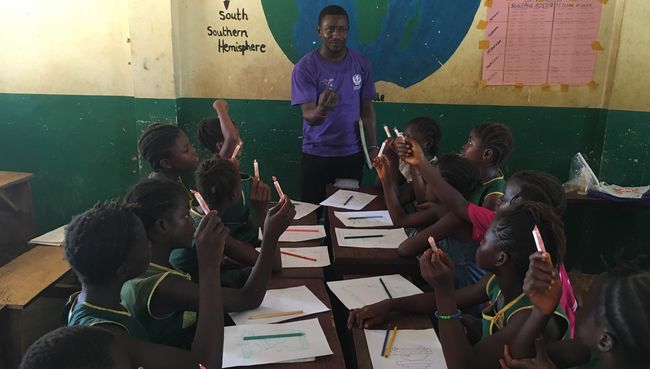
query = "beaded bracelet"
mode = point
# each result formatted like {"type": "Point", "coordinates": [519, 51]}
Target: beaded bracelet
{"type": "Point", "coordinates": [457, 314]}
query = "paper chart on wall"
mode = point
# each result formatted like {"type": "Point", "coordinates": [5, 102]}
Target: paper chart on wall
{"type": "Point", "coordinates": [307, 340]}
{"type": "Point", "coordinates": [370, 238]}
{"type": "Point", "coordinates": [302, 257]}
{"type": "Point", "coordinates": [357, 293]}
{"type": "Point", "coordinates": [412, 349]}
{"type": "Point", "coordinates": [365, 219]}
{"type": "Point", "coordinates": [282, 300]}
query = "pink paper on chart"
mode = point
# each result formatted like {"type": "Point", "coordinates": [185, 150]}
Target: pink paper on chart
{"type": "Point", "coordinates": [533, 42]}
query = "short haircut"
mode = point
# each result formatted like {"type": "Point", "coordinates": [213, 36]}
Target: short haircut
{"type": "Point", "coordinates": [460, 173]}
{"type": "Point", "coordinates": [152, 199]}
{"type": "Point", "coordinates": [216, 180]}
{"type": "Point", "coordinates": [496, 137]}
{"type": "Point", "coordinates": [78, 347]}
{"type": "Point", "coordinates": [430, 131]}
{"type": "Point", "coordinates": [513, 231]}
{"type": "Point", "coordinates": [98, 241]}
{"type": "Point", "coordinates": [156, 143]}
{"type": "Point", "coordinates": [332, 10]}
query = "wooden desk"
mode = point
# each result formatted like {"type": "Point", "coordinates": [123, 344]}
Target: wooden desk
{"type": "Point", "coordinates": [574, 198]}
{"type": "Point", "coordinates": [17, 224]}
{"type": "Point", "coordinates": [21, 282]}
{"type": "Point", "coordinates": [401, 320]}
{"type": "Point", "coordinates": [326, 320]}
{"type": "Point", "coordinates": [300, 273]}
{"type": "Point", "coordinates": [367, 261]}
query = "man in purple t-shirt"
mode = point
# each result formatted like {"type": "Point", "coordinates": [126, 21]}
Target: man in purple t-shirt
{"type": "Point", "coordinates": [334, 87]}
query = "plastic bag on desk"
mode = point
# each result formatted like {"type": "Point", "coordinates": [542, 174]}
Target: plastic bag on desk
{"type": "Point", "coordinates": [581, 177]}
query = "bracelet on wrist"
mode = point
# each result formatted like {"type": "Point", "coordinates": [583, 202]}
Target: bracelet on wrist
{"type": "Point", "coordinates": [455, 315]}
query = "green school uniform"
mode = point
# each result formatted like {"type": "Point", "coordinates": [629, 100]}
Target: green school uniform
{"type": "Point", "coordinates": [175, 329]}
{"type": "Point", "coordinates": [494, 320]}
{"type": "Point", "coordinates": [85, 313]}
{"type": "Point", "coordinates": [495, 185]}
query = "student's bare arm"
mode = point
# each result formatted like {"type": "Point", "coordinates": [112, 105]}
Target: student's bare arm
{"type": "Point", "coordinates": [444, 227]}
{"type": "Point", "coordinates": [230, 136]}
{"type": "Point", "coordinates": [369, 120]}
{"type": "Point", "coordinates": [491, 201]}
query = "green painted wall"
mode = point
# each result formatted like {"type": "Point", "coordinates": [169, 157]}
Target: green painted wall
{"type": "Point", "coordinates": [84, 148]}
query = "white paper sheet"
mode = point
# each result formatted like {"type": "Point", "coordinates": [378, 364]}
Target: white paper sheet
{"type": "Point", "coordinates": [358, 201]}
{"type": "Point", "coordinates": [357, 293]}
{"type": "Point", "coordinates": [282, 300]}
{"type": "Point", "coordinates": [303, 208]}
{"type": "Point", "coordinates": [300, 233]}
{"type": "Point", "coordinates": [412, 348]}
{"type": "Point", "coordinates": [318, 252]}
{"type": "Point", "coordinates": [365, 219]}
{"type": "Point", "coordinates": [51, 238]}
{"type": "Point", "coordinates": [390, 238]}
{"type": "Point", "coordinates": [237, 352]}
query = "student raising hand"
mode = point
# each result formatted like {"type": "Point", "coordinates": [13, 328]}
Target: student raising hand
{"type": "Point", "coordinates": [210, 239]}
{"type": "Point", "coordinates": [410, 151]}
{"type": "Point", "coordinates": [260, 197]}
{"type": "Point", "coordinates": [542, 283]}
{"type": "Point", "coordinates": [541, 361]}
{"type": "Point", "coordinates": [437, 269]}
{"type": "Point", "coordinates": [382, 165]}
{"type": "Point", "coordinates": [279, 217]}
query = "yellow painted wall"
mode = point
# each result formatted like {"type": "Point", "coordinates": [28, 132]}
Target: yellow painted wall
{"type": "Point", "coordinates": [65, 47]}
{"type": "Point", "coordinates": [82, 47]}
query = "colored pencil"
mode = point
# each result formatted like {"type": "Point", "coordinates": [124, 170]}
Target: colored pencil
{"type": "Point", "coordinates": [368, 217]}
{"type": "Point", "coordinates": [368, 236]}
{"type": "Point", "coordinates": [385, 288]}
{"type": "Point", "coordinates": [539, 242]}
{"type": "Point", "coordinates": [383, 348]}
{"type": "Point", "coordinates": [390, 342]}
{"type": "Point", "coordinates": [348, 200]}
{"type": "Point", "coordinates": [276, 314]}
{"type": "Point", "coordinates": [303, 230]}
{"type": "Point", "coordinates": [269, 336]}
{"type": "Point", "coordinates": [298, 256]}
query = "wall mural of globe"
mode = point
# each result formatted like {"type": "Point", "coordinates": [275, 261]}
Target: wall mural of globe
{"type": "Point", "coordinates": [406, 40]}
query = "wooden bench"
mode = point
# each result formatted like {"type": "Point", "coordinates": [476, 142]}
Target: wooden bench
{"type": "Point", "coordinates": [21, 281]}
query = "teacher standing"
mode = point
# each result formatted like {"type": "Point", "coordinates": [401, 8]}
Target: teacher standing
{"type": "Point", "coordinates": [334, 87]}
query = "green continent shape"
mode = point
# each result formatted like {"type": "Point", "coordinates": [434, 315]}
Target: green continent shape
{"type": "Point", "coordinates": [369, 23]}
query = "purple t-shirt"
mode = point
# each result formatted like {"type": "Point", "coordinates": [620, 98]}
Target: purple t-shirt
{"type": "Point", "coordinates": [351, 79]}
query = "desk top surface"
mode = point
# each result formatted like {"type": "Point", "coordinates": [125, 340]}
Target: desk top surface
{"type": "Point", "coordinates": [9, 178]}
{"type": "Point", "coordinates": [358, 255]}
{"type": "Point", "coordinates": [326, 320]}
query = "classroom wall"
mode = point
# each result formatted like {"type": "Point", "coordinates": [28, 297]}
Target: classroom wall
{"type": "Point", "coordinates": [84, 78]}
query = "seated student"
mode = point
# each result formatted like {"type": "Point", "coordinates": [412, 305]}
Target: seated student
{"type": "Point", "coordinates": [488, 145]}
{"type": "Point", "coordinates": [219, 183]}
{"type": "Point", "coordinates": [221, 136]}
{"type": "Point", "coordinates": [504, 252]}
{"type": "Point", "coordinates": [106, 246]}
{"type": "Point", "coordinates": [413, 189]}
{"type": "Point", "coordinates": [160, 296]}
{"type": "Point", "coordinates": [171, 155]}
{"type": "Point", "coordinates": [612, 324]}
{"type": "Point", "coordinates": [452, 234]}
{"type": "Point", "coordinates": [522, 186]}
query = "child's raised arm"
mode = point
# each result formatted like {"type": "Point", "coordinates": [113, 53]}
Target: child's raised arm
{"type": "Point", "coordinates": [411, 152]}
{"type": "Point", "coordinates": [230, 136]}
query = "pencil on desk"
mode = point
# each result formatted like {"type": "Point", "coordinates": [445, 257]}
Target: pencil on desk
{"type": "Point", "coordinates": [368, 236]}
{"type": "Point", "coordinates": [268, 336]}
{"type": "Point", "coordinates": [390, 342]}
{"type": "Point", "coordinates": [298, 256]}
{"type": "Point", "coordinates": [303, 230]}
{"type": "Point", "coordinates": [385, 288]}
{"type": "Point", "coordinates": [368, 217]}
{"type": "Point", "coordinates": [276, 314]}
{"type": "Point", "coordinates": [348, 200]}
{"type": "Point", "coordinates": [383, 348]}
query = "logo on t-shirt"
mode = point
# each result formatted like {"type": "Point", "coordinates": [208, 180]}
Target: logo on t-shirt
{"type": "Point", "coordinates": [356, 79]}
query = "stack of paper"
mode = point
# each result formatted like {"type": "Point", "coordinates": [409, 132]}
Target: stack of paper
{"type": "Point", "coordinates": [357, 293]}
{"type": "Point", "coordinates": [257, 344]}
{"type": "Point", "coordinates": [365, 219]}
{"type": "Point", "coordinates": [280, 305]}
{"type": "Point", "coordinates": [370, 238]}
{"type": "Point", "coordinates": [301, 233]}
{"type": "Point", "coordinates": [351, 200]}
{"type": "Point", "coordinates": [51, 238]}
{"type": "Point", "coordinates": [412, 348]}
